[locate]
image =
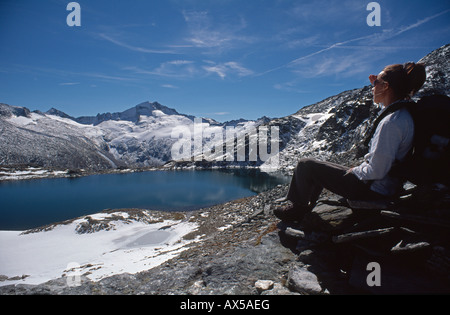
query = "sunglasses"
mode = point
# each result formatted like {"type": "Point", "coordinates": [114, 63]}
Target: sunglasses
{"type": "Point", "coordinates": [375, 81]}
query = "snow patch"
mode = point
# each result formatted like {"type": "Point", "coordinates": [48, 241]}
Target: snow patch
{"type": "Point", "coordinates": [314, 118]}
{"type": "Point", "coordinates": [128, 248]}
{"type": "Point", "coordinates": [28, 173]}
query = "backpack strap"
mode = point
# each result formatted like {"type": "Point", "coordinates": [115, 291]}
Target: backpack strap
{"type": "Point", "coordinates": [389, 110]}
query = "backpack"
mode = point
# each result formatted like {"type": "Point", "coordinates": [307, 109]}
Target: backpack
{"type": "Point", "coordinates": [428, 162]}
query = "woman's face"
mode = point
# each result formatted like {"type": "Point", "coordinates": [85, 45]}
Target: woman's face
{"type": "Point", "coordinates": [379, 87]}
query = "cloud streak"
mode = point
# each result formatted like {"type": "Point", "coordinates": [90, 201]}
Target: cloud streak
{"type": "Point", "coordinates": [134, 48]}
{"type": "Point", "coordinates": [171, 69]}
{"type": "Point", "coordinates": [373, 38]}
{"type": "Point", "coordinates": [69, 83]}
{"type": "Point", "coordinates": [67, 73]}
{"type": "Point", "coordinates": [420, 22]}
{"type": "Point", "coordinates": [204, 32]}
{"type": "Point", "coordinates": [188, 69]}
{"type": "Point", "coordinates": [169, 86]}
{"type": "Point", "coordinates": [224, 69]}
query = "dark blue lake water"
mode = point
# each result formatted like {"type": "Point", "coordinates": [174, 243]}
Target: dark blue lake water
{"type": "Point", "coordinates": [32, 203]}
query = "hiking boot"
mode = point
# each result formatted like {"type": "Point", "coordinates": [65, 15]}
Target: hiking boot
{"type": "Point", "coordinates": [290, 213]}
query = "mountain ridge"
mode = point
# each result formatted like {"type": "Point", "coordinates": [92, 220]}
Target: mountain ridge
{"type": "Point", "coordinates": [141, 135]}
{"type": "Point", "coordinates": [132, 114]}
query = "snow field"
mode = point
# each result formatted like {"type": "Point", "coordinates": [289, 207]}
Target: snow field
{"type": "Point", "coordinates": [127, 248]}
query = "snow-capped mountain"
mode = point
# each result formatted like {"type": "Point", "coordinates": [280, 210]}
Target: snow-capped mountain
{"type": "Point", "coordinates": [144, 135]}
{"type": "Point", "coordinates": [33, 138]}
{"type": "Point", "coordinates": [138, 137]}
{"type": "Point", "coordinates": [133, 114]}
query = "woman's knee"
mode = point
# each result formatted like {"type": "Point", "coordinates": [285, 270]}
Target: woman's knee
{"type": "Point", "coordinates": [306, 162]}
{"type": "Point", "coordinates": [305, 166]}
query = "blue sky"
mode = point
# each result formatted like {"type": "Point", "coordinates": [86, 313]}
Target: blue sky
{"type": "Point", "coordinates": [224, 59]}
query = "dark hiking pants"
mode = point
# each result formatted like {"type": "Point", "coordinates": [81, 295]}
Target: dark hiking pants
{"type": "Point", "coordinates": [312, 176]}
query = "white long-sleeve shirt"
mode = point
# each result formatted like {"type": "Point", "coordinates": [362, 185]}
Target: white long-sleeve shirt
{"type": "Point", "coordinates": [392, 141]}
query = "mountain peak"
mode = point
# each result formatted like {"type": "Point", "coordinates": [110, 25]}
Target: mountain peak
{"type": "Point", "coordinates": [132, 114]}
{"type": "Point", "coordinates": [57, 112]}
{"type": "Point", "coordinates": [8, 111]}
{"type": "Point", "coordinates": [147, 108]}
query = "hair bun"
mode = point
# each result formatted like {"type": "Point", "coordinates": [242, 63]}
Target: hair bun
{"type": "Point", "coordinates": [405, 79]}
{"type": "Point", "coordinates": [416, 75]}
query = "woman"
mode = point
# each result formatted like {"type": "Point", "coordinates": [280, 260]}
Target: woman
{"type": "Point", "coordinates": [391, 141]}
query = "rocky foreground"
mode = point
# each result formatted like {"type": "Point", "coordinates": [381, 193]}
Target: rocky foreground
{"type": "Point", "coordinates": [245, 250]}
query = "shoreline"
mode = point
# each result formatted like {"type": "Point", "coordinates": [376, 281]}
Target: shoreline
{"type": "Point", "coordinates": [18, 173]}
{"type": "Point", "coordinates": [26, 172]}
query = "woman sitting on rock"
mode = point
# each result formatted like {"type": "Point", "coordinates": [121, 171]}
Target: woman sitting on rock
{"type": "Point", "coordinates": [391, 141]}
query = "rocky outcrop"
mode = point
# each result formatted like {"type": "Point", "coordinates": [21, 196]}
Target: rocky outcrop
{"type": "Point", "coordinates": [407, 240]}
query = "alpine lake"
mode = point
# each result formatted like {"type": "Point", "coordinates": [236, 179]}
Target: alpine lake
{"type": "Point", "coordinates": [26, 204]}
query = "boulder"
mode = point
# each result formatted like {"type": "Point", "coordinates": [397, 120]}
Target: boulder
{"type": "Point", "coordinates": [303, 281]}
{"type": "Point", "coordinates": [264, 285]}
{"type": "Point", "coordinates": [329, 218]}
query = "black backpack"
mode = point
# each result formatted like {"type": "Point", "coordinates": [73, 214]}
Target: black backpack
{"type": "Point", "coordinates": [429, 160]}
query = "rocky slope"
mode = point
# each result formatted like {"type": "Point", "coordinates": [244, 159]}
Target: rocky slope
{"type": "Point", "coordinates": [34, 139]}
{"type": "Point", "coordinates": [242, 248]}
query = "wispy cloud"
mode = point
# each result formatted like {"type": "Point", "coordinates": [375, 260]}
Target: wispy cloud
{"type": "Point", "coordinates": [71, 74]}
{"type": "Point", "coordinates": [133, 47]}
{"type": "Point", "coordinates": [289, 87]}
{"type": "Point", "coordinates": [169, 86]}
{"type": "Point", "coordinates": [104, 76]}
{"type": "Point", "coordinates": [326, 11]}
{"type": "Point", "coordinates": [204, 32]}
{"type": "Point", "coordinates": [419, 23]}
{"type": "Point", "coordinates": [371, 40]}
{"type": "Point", "coordinates": [69, 83]}
{"type": "Point", "coordinates": [224, 69]}
{"type": "Point", "coordinates": [189, 69]}
{"type": "Point", "coordinates": [347, 65]}
{"type": "Point", "coordinates": [171, 69]}
{"type": "Point", "coordinates": [220, 113]}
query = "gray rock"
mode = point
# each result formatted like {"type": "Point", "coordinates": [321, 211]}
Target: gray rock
{"type": "Point", "coordinates": [303, 281]}
{"type": "Point", "coordinates": [264, 285]}
{"type": "Point", "coordinates": [279, 289]}
{"type": "Point", "coordinates": [329, 218]}
{"type": "Point", "coordinates": [295, 233]}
